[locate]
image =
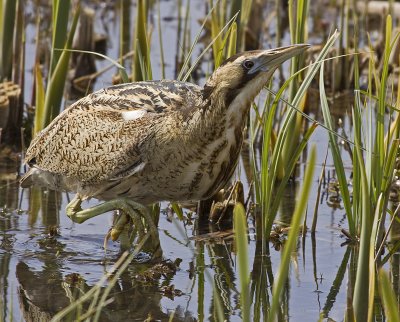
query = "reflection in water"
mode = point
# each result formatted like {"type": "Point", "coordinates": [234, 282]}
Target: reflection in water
{"type": "Point", "coordinates": [48, 274]}
{"type": "Point", "coordinates": [337, 283]}
{"type": "Point", "coordinates": [46, 262]}
{"type": "Point", "coordinates": [224, 277]}
{"type": "Point", "coordinates": [45, 265]}
{"type": "Point", "coordinates": [394, 240]}
{"type": "Point", "coordinates": [8, 222]}
{"type": "Point", "coordinates": [261, 280]}
{"type": "Point", "coordinates": [42, 294]}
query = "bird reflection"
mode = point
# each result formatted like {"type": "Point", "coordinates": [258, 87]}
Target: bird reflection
{"type": "Point", "coordinates": [45, 292]}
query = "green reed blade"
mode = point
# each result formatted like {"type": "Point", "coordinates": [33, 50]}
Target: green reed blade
{"type": "Point", "coordinates": [186, 28]}
{"type": "Point", "coordinates": [55, 87]}
{"type": "Point", "coordinates": [371, 269]}
{"type": "Point", "coordinates": [269, 169]}
{"type": "Point", "coordinates": [218, 312]}
{"type": "Point", "coordinates": [227, 39]}
{"type": "Point", "coordinates": [60, 12]}
{"type": "Point", "coordinates": [288, 170]}
{"type": "Point", "coordinates": [380, 125]}
{"type": "Point", "coordinates": [298, 35]}
{"type": "Point", "coordinates": [160, 41]}
{"type": "Point", "coordinates": [337, 158]}
{"type": "Point", "coordinates": [7, 38]}
{"type": "Point", "coordinates": [244, 20]}
{"type": "Point", "coordinates": [39, 100]}
{"type": "Point", "coordinates": [196, 39]}
{"type": "Point", "coordinates": [291, 242]}
{"type": "Point", "coordinates": [200, 268]}
{"type": "Point", "coordinates": [121, 69]}
{"type": "Point", "coordinates": [215, 28]}
{"type": "Point", "coordinates": [141, 64]}
{"type": "Point", "coordinates": [240, 228]}
{"type": "Point", "coordinates": [232, 41]}
{"type": "Point", "coordinates": [361, 288]}
{"type": "Point", "coordinates": [204, 51]}
{"type": "Point", "coordinates": [389, 298]}
{"type": "Point", "coordinates": [117, 269]}
{"type": "Point", "coordinates": [178, 210]}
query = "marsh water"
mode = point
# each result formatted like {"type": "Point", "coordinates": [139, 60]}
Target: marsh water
{"type": "Point", "coordinates": [47, 261]}
{"type": "Point", "coordinates": [41, 271]}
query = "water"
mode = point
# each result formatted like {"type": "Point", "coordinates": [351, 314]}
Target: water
{"type": "Point", "coordinates": [36, 268]}
{"type": "Point", "coordinates": [47, 261]}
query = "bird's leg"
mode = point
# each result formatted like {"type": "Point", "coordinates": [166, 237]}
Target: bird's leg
{"type": "Point", "coordinates": [119, 231]}
{"type": "Point", "coordinates": [143, 211]}
{"type": "Point", "coordinates": [135, 210]}
{"type": "Point", "coordinates": [122, 220]}
{"type": "Point", "coordinates": [73, 207]}
{"type": "Point", "coordinates": [128, 207]}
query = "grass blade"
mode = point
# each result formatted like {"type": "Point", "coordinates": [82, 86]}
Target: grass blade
{"type": "Point", "coordinates": [141, 63]}
{"type": "Point", "coordinates": [60, 33]}
{"type": "Point", "coordinates": [361, 288]}
{"type": "Point", "coordinates": [269, 168]}
{"type": "Point", "coordinates": [7, 37]}
{"type": "Point", "coordinates": [240, 227]}
{"type": "Point", "coordinates": [39, 100]}
{"type": "Point", "coordinates": [290, 244]}
{"type": "Point", "coordinates": [55, 88]}
{"type": "Point", "coordinates": [337, 159]}
{"type": "Point", "coordinates": [389, 298]}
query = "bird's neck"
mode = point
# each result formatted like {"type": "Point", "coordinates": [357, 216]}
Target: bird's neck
{"type": "Point", "coordinates": [216, 139]}
{"type": "Point", "coordinates": [223, 104]}
{"type": "Point", "coordinates": [221, 117]}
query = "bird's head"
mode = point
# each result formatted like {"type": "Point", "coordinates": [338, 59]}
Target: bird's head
{"type": "Point", "coordinates": [241, 77]}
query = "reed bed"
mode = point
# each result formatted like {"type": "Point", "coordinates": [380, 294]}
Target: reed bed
{"type": "Point", "coordinates": [277, 140]}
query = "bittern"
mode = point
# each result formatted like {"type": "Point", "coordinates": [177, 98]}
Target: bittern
{"type": "Point", "coordinates": [134, 144]}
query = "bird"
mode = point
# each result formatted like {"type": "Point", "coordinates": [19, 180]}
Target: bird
{"type": "Point", "coordinates": [134, 144]}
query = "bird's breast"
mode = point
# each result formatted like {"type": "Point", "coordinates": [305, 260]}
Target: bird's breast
{"type": "Point", "coordinates": [216, 163]}
{"type": "Point", "coordinates": [191, 169]}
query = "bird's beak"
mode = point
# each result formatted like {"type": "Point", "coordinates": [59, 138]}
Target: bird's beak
{"type": "Point", "coordinates": [273, 58]}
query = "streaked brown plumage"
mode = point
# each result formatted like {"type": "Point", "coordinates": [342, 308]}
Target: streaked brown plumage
{"type": "Point", "coordinates": [155, 140]}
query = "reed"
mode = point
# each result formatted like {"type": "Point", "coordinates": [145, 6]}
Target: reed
{"type": "Point", "coordinates": [59, 63]}
{"type": "Point", "coordinates": [374, 155]}
{"type": "Point", "coordinates": [98, 296]}
{"type": "Point", "coordinates": [374, 149]}
{"type": "Point", "coordinates": [336, 155]}
{"type": "Point", "coordinates": [389, 298]}
{"type": "Point", "coordinates": [298, 34]}
{"type": "Point", "coordinates": [160, 39]}
{"type": "Point", "coordinates": [291, 242]}
{"type": "Point", "coordinates": [7, 23]}
{"type": "Point", "coordinates": [269, 187]}
{"type": "Point", "coordinates": [240, 227]}
{"type": "Point", "coordinates": [141, 66]}
{"type": "Point", "coordinates": [124, 29]}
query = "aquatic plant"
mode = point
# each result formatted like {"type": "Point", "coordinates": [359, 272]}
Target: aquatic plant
{"type": "Point", "coordinates": [374, 150]}
{"type": "Point", "coordinates": [49, 107]}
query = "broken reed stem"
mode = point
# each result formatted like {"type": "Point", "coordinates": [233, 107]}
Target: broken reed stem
{"type": "Point", "coordinates": [11, 107]}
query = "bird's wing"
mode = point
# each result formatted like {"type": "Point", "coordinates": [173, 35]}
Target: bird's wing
{"type": "Point", "coordinates": [151, 96]}
{"type": "Point", "coordinates": [100, 136]}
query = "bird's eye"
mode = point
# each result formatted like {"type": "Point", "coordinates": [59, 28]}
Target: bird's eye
{"type": "Point", "coordinates": [248, 64]}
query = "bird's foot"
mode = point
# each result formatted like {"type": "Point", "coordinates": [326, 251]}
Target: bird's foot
{"type": "Point", "coordinates": [73, 208]}
{"type": "Point", "coordinates": [129, 208]}
{"type": "Point", "coordinates": [117, 228]}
